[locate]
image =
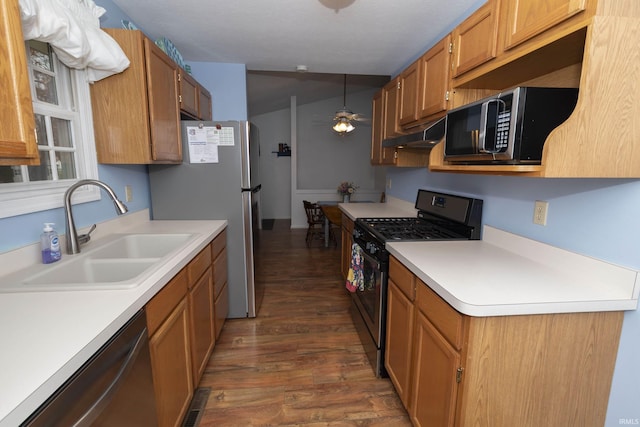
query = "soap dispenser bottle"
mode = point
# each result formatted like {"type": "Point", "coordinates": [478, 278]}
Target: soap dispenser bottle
{"type": "Point", "coordinates": [50, 244]}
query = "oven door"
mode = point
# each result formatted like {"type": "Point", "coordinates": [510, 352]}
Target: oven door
{"type": "Point", "coordinates": [370, 301]}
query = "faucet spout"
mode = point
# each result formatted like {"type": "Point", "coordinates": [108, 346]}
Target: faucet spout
{"type": "Point", "coordinates": [73, 244]}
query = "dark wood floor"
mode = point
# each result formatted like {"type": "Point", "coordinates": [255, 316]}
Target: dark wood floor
{"type": "Point", "coordinates": [300, 361]}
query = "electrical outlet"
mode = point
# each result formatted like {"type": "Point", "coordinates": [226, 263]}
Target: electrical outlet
{"type": "Point", "coordinates": [128, 193]}
{"type": "Point", "coordinates": [540, 210]}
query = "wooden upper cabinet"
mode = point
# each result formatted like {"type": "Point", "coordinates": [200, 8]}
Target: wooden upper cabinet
{"type": "Point", "coordinates": [390, 102]}
{"type": "Point", "coordinates": [380, 155]}
{"type": "Point", "coordinates": [528, 18]}
{"type": "Point", "coordinates": [17, 133]}
{"type": "Point", "coordinates": [162, 80]}
{"type": "Point", "coordinates": [377, 123]}
{"type": "Point", "coordinates": [408, 94]}
{"type": "Point", "coordinates": [475, 39]}
{"type": "Point", "coordinates": [136, 116]}
{"type": "Point", "coordinates": [195, 100]}
{"type": "Point", "coordinates": [205, 110]}
{"type": "Point", "coordinates": [188, 94]}
{"type": "Point", "coordinates": [434, 75]}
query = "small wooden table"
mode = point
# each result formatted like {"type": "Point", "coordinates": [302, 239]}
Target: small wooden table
{"type": "Point", "coordinates": [332, 215]}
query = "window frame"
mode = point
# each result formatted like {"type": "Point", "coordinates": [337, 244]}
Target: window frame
{"type": "Point", "coordinates": [21, 198]}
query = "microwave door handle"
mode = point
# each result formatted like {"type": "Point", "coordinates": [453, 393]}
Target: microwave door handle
{"type": "Point", "coordinates": [484, 116]}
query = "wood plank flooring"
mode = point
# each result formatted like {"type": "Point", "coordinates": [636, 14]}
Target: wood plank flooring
{"type": "Point", "coordinates": [300, 362]}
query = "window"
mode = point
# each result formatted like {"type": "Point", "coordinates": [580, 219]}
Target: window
{"type": "Point", "coordinates": [62, 108]}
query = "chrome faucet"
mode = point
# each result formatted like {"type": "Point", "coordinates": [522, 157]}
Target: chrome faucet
{"type": "Point", "coordinates": [73, 240]}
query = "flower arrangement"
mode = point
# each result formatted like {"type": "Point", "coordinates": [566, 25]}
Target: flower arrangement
{"type": "Point", "coordinates": [347, 188]}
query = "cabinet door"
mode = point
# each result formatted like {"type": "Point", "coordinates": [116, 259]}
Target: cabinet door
{"type": "Point", "coordinates": [435, 79]}
{"type": "Point", "coordinates": [221, 308]}
{"type": "Point", "coordinates": [347, 242]}
{"type": "Point", "coordinates": [435, 389]}
{"type": "Point", "coordinates": [205, 110]}
{"type": "Point", "coordinates": [475, 39]}
{"type": "Point", "coordinates": [408, 94]}
{"type": "Point", "coordinates": [397, 356]}
{"type": "Point", "coordinates": [528, 18]}
{"type": "Point", "coordinates": [164, 111]}
{"type": "Point", "coordinates": [171, 365]}
{"type": "Point", "coordinates": [17, 132]}
{"type": "Point", "coordinates": [390, 103]}
{"type": "Point", "coordinates": [376, 128]}
{"type": "Point", "coordinates": [220, 290]}
{"type": "Point", "coordinates": [202, 324]}
{"type": "Point", "coordinates": [188, 94]}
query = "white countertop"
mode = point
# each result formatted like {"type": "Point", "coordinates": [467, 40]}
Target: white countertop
{"type": "Point", "coordinates": [393, 208]}
{"type": "Point", "coordinates": [506, 274]}
{"type": "Point", "coordinates": [46, 336]}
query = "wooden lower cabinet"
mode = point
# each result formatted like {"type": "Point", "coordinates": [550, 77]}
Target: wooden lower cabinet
{"type": "Point", "coordinates": [347, 242]}
{"type": "Point", "coordinates": [524, 370]}
{"type": "Point", "coordinates": [220, 287]}
{"type": "Point", "coordinates": [434, 387]}
{"type": "Point", "coordinates": [183, 320]}
{"type": "Point", "coordinates": [171, 366]}
{"type": "Point", "coordinates": [202, 324]}
{"type": "Point", "coordinates": [400, 342]}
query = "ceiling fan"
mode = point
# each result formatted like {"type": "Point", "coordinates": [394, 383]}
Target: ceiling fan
{"type": "Point", "coordinates": [344, 119]}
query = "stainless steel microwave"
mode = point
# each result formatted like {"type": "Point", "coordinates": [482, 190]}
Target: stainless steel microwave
{"type": "Point", "coordinates": [508, 128]}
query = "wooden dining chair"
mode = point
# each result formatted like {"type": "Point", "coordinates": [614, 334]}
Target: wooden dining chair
{"type": "Point", "coordinates": [315, 221]}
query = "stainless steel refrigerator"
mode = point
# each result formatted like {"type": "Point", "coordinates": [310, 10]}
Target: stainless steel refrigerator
{"type": "Point", "coordinates": [218, 179]}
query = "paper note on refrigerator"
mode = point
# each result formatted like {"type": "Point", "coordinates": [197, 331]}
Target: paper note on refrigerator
{"type": "Point", "coordinates": [203, 144]}
{"type": "Point", "coordinates": [225, 136]}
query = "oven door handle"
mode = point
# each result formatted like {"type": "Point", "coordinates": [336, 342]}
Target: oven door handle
{"type": "Point", "coordinates": [369, 257]}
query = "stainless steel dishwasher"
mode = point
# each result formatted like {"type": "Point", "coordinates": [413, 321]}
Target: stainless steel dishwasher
{"type": "Point", "coordinates": [112, 389]}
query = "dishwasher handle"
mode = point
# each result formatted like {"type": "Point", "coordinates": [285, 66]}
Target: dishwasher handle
{"type": "Point", "coordinates": [103, 400]}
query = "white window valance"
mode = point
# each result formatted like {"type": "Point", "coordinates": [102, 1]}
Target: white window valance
{"type": "Point", "coordinates": [72, 28]}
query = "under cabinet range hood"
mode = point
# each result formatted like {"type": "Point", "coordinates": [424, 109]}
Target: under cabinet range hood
{"type": "Point", "coordinates": [426, 138]}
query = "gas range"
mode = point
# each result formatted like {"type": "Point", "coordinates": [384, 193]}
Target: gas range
{"type": "Point", "coordinates": [440, 217]}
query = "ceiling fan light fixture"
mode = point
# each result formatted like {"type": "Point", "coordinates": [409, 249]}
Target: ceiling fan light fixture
{"type": "Point", "coordinates": [343, 126]}
{"type": "Point", "coordinates": [342, 118]}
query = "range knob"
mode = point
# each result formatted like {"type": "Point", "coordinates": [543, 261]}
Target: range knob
{"type": "Point", "coordinates": [372, 248]}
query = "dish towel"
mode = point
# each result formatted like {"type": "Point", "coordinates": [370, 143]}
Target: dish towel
{"type": "Point", "coordinates": [355, 278]}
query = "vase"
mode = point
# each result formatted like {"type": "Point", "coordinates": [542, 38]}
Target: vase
{"type": "Point", "coordinates": [346, 198]}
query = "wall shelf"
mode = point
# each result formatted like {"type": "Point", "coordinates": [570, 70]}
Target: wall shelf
{"type": "Point", "coordinates": [282, 153]}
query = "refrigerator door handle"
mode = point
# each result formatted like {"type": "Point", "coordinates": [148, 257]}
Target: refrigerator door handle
{"type": "Point", "coordinates": [252, 189]}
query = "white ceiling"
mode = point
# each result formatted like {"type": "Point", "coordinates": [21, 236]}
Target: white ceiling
{"type": "Point", "coordinates": [355, 37]}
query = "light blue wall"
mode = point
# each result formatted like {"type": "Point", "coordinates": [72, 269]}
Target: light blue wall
{"type": "Point", "coordinates": [228, 86]}
{"type": "Point", "coordinates": [593, 217]}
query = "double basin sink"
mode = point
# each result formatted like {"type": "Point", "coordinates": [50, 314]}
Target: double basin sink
{"type": "Point", "coordinates": [119, 263]}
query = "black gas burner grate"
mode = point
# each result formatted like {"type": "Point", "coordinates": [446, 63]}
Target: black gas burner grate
{"type": "Point", "coordinates": [396, 229]}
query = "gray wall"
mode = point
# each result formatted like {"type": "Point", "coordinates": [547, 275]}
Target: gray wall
{"type": "Point", "coordinates": [320, 158]}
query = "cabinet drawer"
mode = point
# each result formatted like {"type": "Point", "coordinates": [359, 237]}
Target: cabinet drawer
{"type": "Point", "coordinates": [199, 264]}
{"type": "Point", "coordinates": [403, 278]}
{"type": "Point", "coordinates": [218, 244]}
{"type": "Point", "coordinates": [165, 301]}
{"type": "Point", "coordinates": [448, 321]}
{"type": "Point", "coordinates": [219, 272]}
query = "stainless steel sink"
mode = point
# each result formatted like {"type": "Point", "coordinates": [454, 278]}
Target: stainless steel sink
{"type": "Point", "coordinates": [120, 262]}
